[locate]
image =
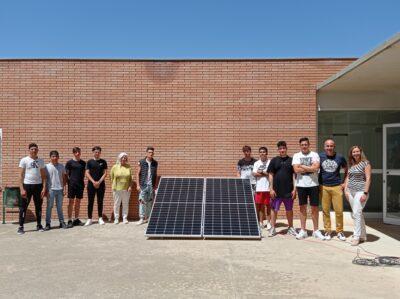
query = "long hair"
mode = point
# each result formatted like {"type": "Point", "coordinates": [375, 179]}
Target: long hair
{"type": "Point", "coordinates": [351, 159]}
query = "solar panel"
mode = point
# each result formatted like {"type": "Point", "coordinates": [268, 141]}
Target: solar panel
{"type": "Point", "coordinates": [177, 209]}
{"type": "Point", "coordinates": [229, 209]}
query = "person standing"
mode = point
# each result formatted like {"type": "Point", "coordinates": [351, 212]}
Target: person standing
{"type": "Point", "coordinates": [356, 186]}
{"type": "Point", "coordinates": [282, 187]}
{"type": "Point", "coordinates": [146, 178]}
{"type": "Point", "coordinates": [121, 180]}
{"type": "Point", "coordinates": [56, 185]}
{"type": "Point", "coordinates": [75, 169]}
{"type": "Point", "coordinates": [306, 166]}
{"type": "Point", "coordinates": [262, 196]}
{"type": "Point", "coordinates": [32, 184]}
{"type": "Point", "coordinates": [96, 172]}
{"type": "Point", "coordinates": [245, 166]}
{"type": "Point", "coordinates": [331, 187]}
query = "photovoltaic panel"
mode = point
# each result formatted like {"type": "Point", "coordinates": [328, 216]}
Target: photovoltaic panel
{"type": "Point", "coordinates": [177, 209]}
{"type": "Point", "coordinates": [229, 210]}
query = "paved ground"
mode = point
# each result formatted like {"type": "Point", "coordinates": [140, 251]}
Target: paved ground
{"type": "Point", "coordinates": [118, 261]}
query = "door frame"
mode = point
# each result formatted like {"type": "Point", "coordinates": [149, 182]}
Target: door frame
{"type": "Point", "coordinates": [386, 172]}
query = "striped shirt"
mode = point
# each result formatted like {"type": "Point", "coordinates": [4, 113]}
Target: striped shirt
{"type": "Point", "coordinates": [357, 177]}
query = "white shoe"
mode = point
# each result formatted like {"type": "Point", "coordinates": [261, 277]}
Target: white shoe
{"type": "Point", "coordinates": [327, 236]}
{"type": "Point", "coordinates": [341, 237]}
{"type": "Point", "coordinates": [272, 232]}
{"type": "Point", "coordinates": [140, 222]}
{"type": "Point", "coordinates": [145, 220]}
{"type": "Point", "coordinates": [125, 220]}
{"type": "Point", "coordinates": [101, 221]}
{"type": "Point", "coordinates": [302, 235]}
{"type": "Point", "coordinates": [116, 221]}
{"type": "Point", "coordinates": [318, 235]}
{"type": "Point", "coordinates": [291, 231]}
{"type": "Point", "coordinates": [88, 222]}
{"type": "Point", "coordinates": [268, 226]}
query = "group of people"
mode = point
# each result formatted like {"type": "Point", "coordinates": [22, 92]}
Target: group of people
{"type": "Point", "coordinates": [54, 180]}
{"type": "Point", "coordinates": [311, 177]}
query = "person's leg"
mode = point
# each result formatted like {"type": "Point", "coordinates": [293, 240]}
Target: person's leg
{"type": "Point", "coordinates": [59, 204]}
{"type": "Point", "coordinates": [77, 208]}
{"type": "Point", "coordinates": [276, 202]}
{"type": "Point", "coordinates": [70, 208]}
{"type": "Point", "coordinates": [314, 203]}
{"type": "Point", "coordinates": [288, 202]}
{"type": "Point", "coordinates": [337, 200]}
{"type": "Point", "coordinates": [302, 194]}
{"type": "Point", "coordinates": [49, 208]}
{"type": "Point", "coordinates": [100, 198]}
{"type": "Point", "coordinates": [117, 204]}
{"type": "Point", "coordinates": [38, 201]}
{"type": "Point", "coordinates": [326, 200]}
{"type": "Point", "coordinates": [24, 205]}
{"type": "Point", "coordinates": [125, 205]}
{"type": "Point", "coordinates": [363, 235]}
{"type": "Point", "coordinates": [91, 194]}
{"type": "Point", "coordinates": [356, 207]}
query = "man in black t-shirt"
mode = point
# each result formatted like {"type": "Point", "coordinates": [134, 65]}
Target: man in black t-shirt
{"type": "Point", "coordinates": [282, 187]}
{"type": "Point", "coordinates": [96, 172]}
{"type": "Point", "coordinates": [75, 169]}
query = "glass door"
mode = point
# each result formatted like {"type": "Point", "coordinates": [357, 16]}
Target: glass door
{"type": "Point", "coordinates": [391, 173]}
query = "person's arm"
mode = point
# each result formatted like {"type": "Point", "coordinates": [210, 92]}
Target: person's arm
{"type": "Point", "coordinates": [138, 178]}
{"type": "Point", "coordinates": [21, 182]}
{"type": "Point", "coordinates": [271, 184]}
{"type": "Point", "coordinates": [346, 170]}
{"type": "Point", "coordinates": [65, 180]}
{"type": "Point", "coordinates": [112, 174]}
{"type": "Point", "coordinates": [368, 171]}
{"type": "Point", "coordinates": [294, 186]}
{"type": "Point", "coordinates": [130, 180]}
{"type": "Point", "coordinates": [44, 181]}
{"type": "Point", "coordinates": [298, 168]}
{"type": "Point", "coordinates": [313, 168]}
{"type": "Point", "coordinates": [89, 177]}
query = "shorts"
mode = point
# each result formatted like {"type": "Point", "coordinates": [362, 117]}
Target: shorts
{"type": "Point", "coordinates": [75, 191]}
{"type": "Point", "coordinates": [308, 192]}
{"type": "Point", "coordinates": [288, 202]}
{"type": "Point", "coordinates": [263, 198]}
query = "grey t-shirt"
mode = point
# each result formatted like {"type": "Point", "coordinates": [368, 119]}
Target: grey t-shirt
{"type": "Point", "coordinates": [55, 175]}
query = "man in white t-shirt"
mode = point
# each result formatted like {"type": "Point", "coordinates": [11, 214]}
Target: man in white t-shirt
{"type": "Point", "coordinates": [306, 166]}
{"type": "Point", "coordinates": [32, 184]}
{"type": "Point", "coordinates": [56, 186]}
{"type": "Point", "coordinates": [262, 197]}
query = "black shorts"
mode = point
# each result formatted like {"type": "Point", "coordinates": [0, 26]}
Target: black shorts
{"type": "Point", "coordinates": [308, 192]}
{"type": "Point", "coordinates": [75, 191]}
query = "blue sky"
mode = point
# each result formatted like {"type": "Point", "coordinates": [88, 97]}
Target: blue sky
{"type": "Point", "coordinates": [194, 29]}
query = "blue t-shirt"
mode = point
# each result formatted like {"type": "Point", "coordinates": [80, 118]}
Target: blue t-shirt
{"type": "Point", "coordinates": [329, 174]}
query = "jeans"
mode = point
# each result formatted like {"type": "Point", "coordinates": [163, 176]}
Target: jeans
{"type": "Point", "coordinates": [357, 207]}
{"type": "Point", "coordinates": [121, 196]}
{"type": "Point", "coordinates": [332, 195]}
{"type": "Point", "coordinates": [56, 195]}
{"type": "Point", "coordinates": [145, 201]}
{"type": "Point", "coordinates": [31, 191]}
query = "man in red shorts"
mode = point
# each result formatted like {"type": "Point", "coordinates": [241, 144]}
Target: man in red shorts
{"type": "Point", "coordinates": [262, 197]}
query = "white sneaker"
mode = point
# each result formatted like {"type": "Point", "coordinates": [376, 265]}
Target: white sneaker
{"type": "Point", "coordinates": [302, 235]}
{"type": "Point", "coordinates": [140, 222]}
{"type": "Point", "coordinates": [268, 226]}
{"type": "Point", "coordinates": [327, 236]}
{"type": "Point", "coordinates": [318, 235]}
{"type": "Point", "coordinates": [272, 232]}
{"type": "Point", "coordinates": [88, 222]}
{"type": "Point", "coordinates": [291, 231]}
{"type": "Point", "coordinates": [341, 237]}
{"type": "Point", "coordinates": [116, 221]}
{"type": "Point", "coordinates": [125, 221]}
{"type": "Point", "coordinates": [101, 221]}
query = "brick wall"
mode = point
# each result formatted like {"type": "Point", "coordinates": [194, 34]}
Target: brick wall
{"type": "Point", "coordinates": [197, 114]}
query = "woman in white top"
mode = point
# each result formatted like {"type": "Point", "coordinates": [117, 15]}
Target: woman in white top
{"type": "Point", "coordinates": [357, 184]}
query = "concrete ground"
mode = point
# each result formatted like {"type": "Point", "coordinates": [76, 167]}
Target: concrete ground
{"type": "Point", "coordinates": [118, 261]}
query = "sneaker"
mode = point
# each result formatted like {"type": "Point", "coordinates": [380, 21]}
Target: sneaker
{"type": "Point", "coordinates": [89, 222]}
{"type": "Point", "coordinates": [292, 232]}
{"type": "Point", "coordinates": [125, 220]}
{"type": "Point", "coordinates": [302, 235]}
{"type": "Point", "coordinates": [70, 224]}
{"type": "Point", "coordinates": [48, 227]}
{"type": "Point", "coordinates": [77, 222]}
{"type": "Point", "coordinates": [63, 225]}
{"type": "Point", "coordinates": [355, 242]}
{"type": "Point", "coordinates": [20, 230]}
{"type": "Point", "coordinates": [341, 237]}
{"type": "Point", "coordinates": [318, 235]}
{"type": "Point", "coordinates": [140, 222]}
{"type": "Point", "coordinates": [116, 221]}
{"type": "Point", "coordinates": [268, 226]}
{"type": "Point", "coordinates": [327, 236]}
{"type": "Point", "coordinates": [145, 220]}
{"type": "Point", "coordinates": [101, 221]}
{"type": "Point", "coordinates": [272, 232]}
{"type": "Point", "coordinates": [39, 228]}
